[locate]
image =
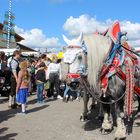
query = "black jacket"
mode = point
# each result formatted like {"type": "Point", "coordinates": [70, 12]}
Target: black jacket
{"type": "Point", "coordinates": [41, 76]}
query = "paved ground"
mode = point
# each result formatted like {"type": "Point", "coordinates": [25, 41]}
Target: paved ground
{"type": "Point", "coordinates": [54, 120]}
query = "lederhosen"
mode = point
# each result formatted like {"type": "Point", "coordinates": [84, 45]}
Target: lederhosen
{"type": "Point", "coordinates": [13, 80]}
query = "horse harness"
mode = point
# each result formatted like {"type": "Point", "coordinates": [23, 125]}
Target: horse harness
{"type": "Point", "coordinates": [130, 62]}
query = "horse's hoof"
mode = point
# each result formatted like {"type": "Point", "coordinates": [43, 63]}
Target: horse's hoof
{"type": "Point", "coordinates": [106, 131]}
{"type": "Point", "coordinates": [83, 118]}
{"type": "Point", "coordinates": [100, 118]}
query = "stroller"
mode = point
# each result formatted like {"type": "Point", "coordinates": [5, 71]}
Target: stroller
{"type": "Point", "coordinates": [5, 84]}
{"type": "Point", "coordinates": [5, 76]}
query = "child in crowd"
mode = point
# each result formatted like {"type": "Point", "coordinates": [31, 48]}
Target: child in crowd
{"type": "Point", "coordinates": [41, 79]}
{"type": "Point", "coordinates": [22, 86]}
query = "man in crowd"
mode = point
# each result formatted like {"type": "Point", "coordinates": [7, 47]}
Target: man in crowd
{"type": "Point", "coordinates": [14, 66]}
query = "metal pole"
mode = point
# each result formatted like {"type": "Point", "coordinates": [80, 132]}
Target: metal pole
{"type": "Point", "coordinates": [9, 24]}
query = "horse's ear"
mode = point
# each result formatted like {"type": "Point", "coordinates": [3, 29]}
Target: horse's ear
{"type": "Point", "coordinates": [66, 40]}
{"type": "Point", "coordinates": [80, 38]}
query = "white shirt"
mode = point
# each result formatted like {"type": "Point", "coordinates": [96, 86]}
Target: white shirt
{"type": "Point", "coordinates": [53, 68]}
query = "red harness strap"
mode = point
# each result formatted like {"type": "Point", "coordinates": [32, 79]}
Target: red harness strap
{"type": "Point", "coordinates": [122, 76]}
{"type": "Point", "coordinates": [130, 88]}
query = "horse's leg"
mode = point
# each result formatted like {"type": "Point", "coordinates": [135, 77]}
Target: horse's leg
{"type": "Point", "coordinates": [93, 104]}
{"type": "Point", "coordinates": [100, 114]}
{"type": "Point", "coordinates": [137, 114]}
{"type": "Point", "coordinates": [107, 125]}
{"type": "Point", "coordinates": [121, 129]}
{"type": "Point", "coordinates": [138, 110]}
{"type": "Point", "coordinates": [83, 116]}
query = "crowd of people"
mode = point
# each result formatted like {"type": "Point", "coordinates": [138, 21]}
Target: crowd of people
{"type": "Point", "coordinates": [40, 76]}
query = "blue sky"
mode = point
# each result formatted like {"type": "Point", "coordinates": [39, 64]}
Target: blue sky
{"type": "Point", "coordinates": [42, 22]}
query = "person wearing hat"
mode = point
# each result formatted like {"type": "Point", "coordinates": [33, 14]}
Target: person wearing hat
{"type": "Point", "coordinates": [54, 70]}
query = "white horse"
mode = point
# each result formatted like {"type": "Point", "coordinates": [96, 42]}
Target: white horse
{"type": "Point", "coordinates": [75, 56]}
{"type": "Point", "coordinates": [73, 63]}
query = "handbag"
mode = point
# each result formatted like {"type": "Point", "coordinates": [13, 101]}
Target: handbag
{"type": "Point", "coordinates": [47, 85]}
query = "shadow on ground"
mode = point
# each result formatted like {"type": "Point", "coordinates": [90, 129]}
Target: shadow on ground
{"type": "Point", "coordinates": [9, 113]}
{"type": "Point", "coordinates": [7, 136]}
{"type": "Point", "coordinates": [93, 122]}
{"type": "Point", "coordinates": [3, 100]}
{"type": "Point", "coordinates": [34, 101]}
{"type": "Point", "coordinates": [37, 108]}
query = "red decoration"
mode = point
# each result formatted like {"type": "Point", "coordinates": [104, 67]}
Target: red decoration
{"type": "Point", "coordinates": [73, 75]}
{"type": "Point", "coordinates": [114, 30]}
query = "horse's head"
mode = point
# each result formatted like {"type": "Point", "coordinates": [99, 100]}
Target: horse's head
{"type": "Point", "coordinates": [74, 55]}
{"type": "Point", "coordinates": [74, 60]}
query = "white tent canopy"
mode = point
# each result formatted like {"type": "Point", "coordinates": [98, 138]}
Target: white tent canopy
{"type": "Point", "coordinates": [10, 52]}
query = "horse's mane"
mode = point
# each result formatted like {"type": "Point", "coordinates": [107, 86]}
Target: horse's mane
{"type": "Point", "coordinates": [98, 47]}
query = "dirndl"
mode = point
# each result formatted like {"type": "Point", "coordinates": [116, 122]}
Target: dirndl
{"type": "Point", "coordinates": [22, 95]}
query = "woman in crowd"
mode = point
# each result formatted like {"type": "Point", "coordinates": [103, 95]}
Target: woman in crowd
{"type": "Point", "coordinates": [54, 71]}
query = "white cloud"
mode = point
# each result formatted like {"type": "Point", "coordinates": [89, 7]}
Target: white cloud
{"type": "Point", "coordinates": [87, 24]}
{"type": "Point", "coordinates": [35, 38]}
{"type": "Point", "coordinates": [133, 30]}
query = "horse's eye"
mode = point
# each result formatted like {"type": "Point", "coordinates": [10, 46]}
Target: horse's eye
{"type": "Point", "coordinates": [79, 57]}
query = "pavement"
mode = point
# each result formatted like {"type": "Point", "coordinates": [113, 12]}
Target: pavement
{"type": "Point", "coordinates": [53, 120]}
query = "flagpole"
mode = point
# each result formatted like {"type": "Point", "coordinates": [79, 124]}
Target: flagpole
{"type": "Point", "coordinates": [9, 24]}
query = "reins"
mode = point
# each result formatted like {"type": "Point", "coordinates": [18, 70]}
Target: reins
{"type": "Point", "coordinates": [100, 101]}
